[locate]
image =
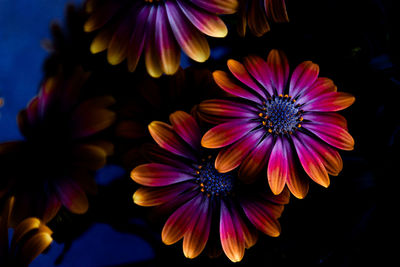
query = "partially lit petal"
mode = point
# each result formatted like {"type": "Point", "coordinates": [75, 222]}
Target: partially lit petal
{"type": "Point", "coordinates": [279, 70]}
{"type": "Point", "coordinates": [303, 77]}
{"type": "Point", "coordinates": [186, 127]}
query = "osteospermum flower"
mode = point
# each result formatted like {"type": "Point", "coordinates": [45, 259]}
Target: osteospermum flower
{"type": "Point", "coordinates": [273, 118]}
{"type": "Point", "coordinates": [183, 177]}
{"type": "Point", "coordinates": [30, 238]}
{"type": "Point", "coordinates": [257, 13]}
{"type": "Point", "coordinates": [54, 165]}
{"type": "Point", "coordinates": [158, 29]}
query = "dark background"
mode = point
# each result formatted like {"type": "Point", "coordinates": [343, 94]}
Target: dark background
{"type": "Point", "coordinates": [349, 224]}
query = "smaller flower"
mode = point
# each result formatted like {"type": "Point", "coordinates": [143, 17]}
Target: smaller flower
{"type": "Point", "coordinates": [30, 238]}
{"type": "Point", "coordinates": [257, 13]}
{"type": "Point", "coordinates": [208, 207]}
{"type": "Point", "coordinates": [278, 123]}
{"type": "Point", "coordinates": [157, 29]}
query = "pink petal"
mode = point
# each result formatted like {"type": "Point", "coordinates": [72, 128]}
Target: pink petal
{"type": "Point", "coordinates": [279, 70]}
{"type": "Point", "coordinates": [326, 118]}
{"type": "Point", "coordinates": [297, 184]}
{"type": "Point", "coordinates": [278, 167]}
{"type": "Point", "coordinates": [332, 101]}
{"type": "Point", "coordinates": [256, 160]}
{"type": "Point", "coordinates": [232, 239]}
{"type": "Point", "coordinates": [227, 133]}
{"type": "Point", "coordinates": [332, 134]}
{"type": "Point", "coordinates": [195, 238]}
{"type": "Point", "coordinates": [155, 174]}
{"type": "Point", "coordinates": [310, 161]}
{"type": "Point", "coordinates": [240, 72]}
{"type": "Point", "coordinates": [217, 6]}
{"type": "Point", "coordinates": [231, 157]}
{"type": "Point", "coordinates": [177, 224]}
{"type": "Point", "coordinates": [186, 127]}
{"type": "Point", "coordinates": [227, 109]}
{"type": "Point", "coordinates": [303, 77]}
{"type": "Point", "coordinates": [319, 87]}
{"type": "Point", "coordinates": [225, 82]}
{"type": "Point", "coordinates": [259, 69]}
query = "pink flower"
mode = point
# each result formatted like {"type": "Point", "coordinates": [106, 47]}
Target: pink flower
{"type": "Point", "coordinates": [182, 178]}
{"type": "Point", "coordinates": [278, 123]}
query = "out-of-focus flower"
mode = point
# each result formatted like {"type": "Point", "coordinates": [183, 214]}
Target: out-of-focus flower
{"type": "Point", "coordinates": [54, 165]}
{"type": "Point", "coordinates": [30, 238]}
{"type": "Point", "coordinates": [257, 13]}
{"type": "Point", "coordinates": [272, 118]}
{"type": "Point", "coordinates": [158, 29]}
{"type": "Point", "coordinates": [205, 203]}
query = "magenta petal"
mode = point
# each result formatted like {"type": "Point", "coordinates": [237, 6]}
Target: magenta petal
{"type": "Point", "coordinates": [229, 86]}
{"type": "Point", "coordinates": [217, 6]}
{"type": "Point", "coordinates": [227, 108]}
{"type": "Point", "coordinates": [177, 224]}
{"type": "Point", "coordinates": [332, 134]}
{"type": "Point", "coordinates": [319, 87]}
{"type": "Point", "coordinates": [155, 174]}
{"type": "Point", "coordinates": [279, 70]}
{"type": "Point", "coordinates": [138, 38]}
{"type": "Point", "coordinates": [303, 77]}
{"type": "Point", "coordinates": [278, 168]}
{"type": "Point", "coordinates": [186, 127]}
{"type": "Point", "coordinates": [259, 69]}
{"type": "Point", "coordinates": [240, 72]}
{"type": "Point", "coordinates": [227, 133]}
{"type": "Point", "coordinates": [232, 239]}
{"type": "Point", "coordinates": [331, 101]}
{"type": "Point", "coordinates": [326, 118]}
{"type": "Point", "coordinates": [231, 157]}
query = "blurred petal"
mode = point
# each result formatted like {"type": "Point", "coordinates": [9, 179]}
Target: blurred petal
{"type": "Point", "coordinates": [89, 156]}
{"type": "Point", "coordinates": [186, 127]}
{"type": "Point", "coordinates": [257, 18]}
{"type": "Point", "coordinates": [153, 62]}
{"type": "Point", "coordinates": [33, 247]}
{"type": "Point", "coordinates": [225, 82]}
{"type": "Point", "coordinates": [195, 239]}
{"type": "Point", "coordinates": [332, 101]}
{"type": "Point", "coordinates": [232, 156]}
{"type": "Point", "coordinates": [192, 42]}
{"type": "Point", "coordinates": [207, 23]}
{"type": "Point", "coordinates": [177, 224]}
{"type": "Point", "coordinates": [217, 6]}
{"type": "Point", "coordinates": [72, 196]}
{"type": "Point", "coordinates": [227, 133]}
{"type": "Point", "coordinates": [155, 174]}
{"type": "Point", "coordinates": [102, 15]}
{"type": "Point", "coordinates": [310, 161]}
{"type": "Point", "coordinates": [279, 70]}
{"type": "Point", "coordinates": [166, 46]}
{"type": "Point", "coordinates": [276, 10]}
{"type": "Point", "coordinates": [166, 138]}
{"type": "Point", "coordinates": [303, 77]}
{"type": "Point", "coordinates": [232, 239]}
{"type": "Point", "coordinates": [278, 167]}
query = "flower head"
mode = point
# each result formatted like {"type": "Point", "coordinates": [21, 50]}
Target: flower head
{"type": "Point", "coordinates": [257, 13]}
{"type": "Point", "coordinates": [30, 238]}
{"type": "Point", "coordinates": [183, 178]}
{"type": "Point", "coordinates": [55, 164]}
{"type": "Point", "coordinates": [157, 29]}
{"type": "Point", "coordinates": [272, 118]}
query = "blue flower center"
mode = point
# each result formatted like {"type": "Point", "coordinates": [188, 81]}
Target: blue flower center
{"type": "Point", "coordinates": [281, 115]}
{"type": "Point", "coordinates": [212, 182]}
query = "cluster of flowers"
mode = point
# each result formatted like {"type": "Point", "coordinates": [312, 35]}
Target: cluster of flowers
{"type": "Point", "coordinates": [223, 170]}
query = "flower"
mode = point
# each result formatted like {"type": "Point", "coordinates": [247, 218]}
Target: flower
{"type": "Point", "coordinates": [30, 238]}
{"type": "Point", "coordinates": [272, 118]}
{"type": "Point", "coordinates": [158, 29]}
{"type": "Point", "coordinates": [256, 13]}
{"type": "Point", "coordinates": [55, 164]}
{"type": "Point", "coordinates": [182, 177]}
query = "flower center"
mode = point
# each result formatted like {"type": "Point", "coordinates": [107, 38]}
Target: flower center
{"type": "Point", "coordinates": [212, 182]}
{"type": "Point", "coordinates": [281, 115]}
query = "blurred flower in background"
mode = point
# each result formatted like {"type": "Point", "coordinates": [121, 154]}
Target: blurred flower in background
{"type": "Point", "coordinates": [30, 238]}
{"type": "Point", "coordinates": [54, 165]}
{"type": "Point", "coordinates": [157, 29]}
{"type": "Point", "coordinates": [204, 203]}
{"type": "Point", "coordinates": [272, 118]}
